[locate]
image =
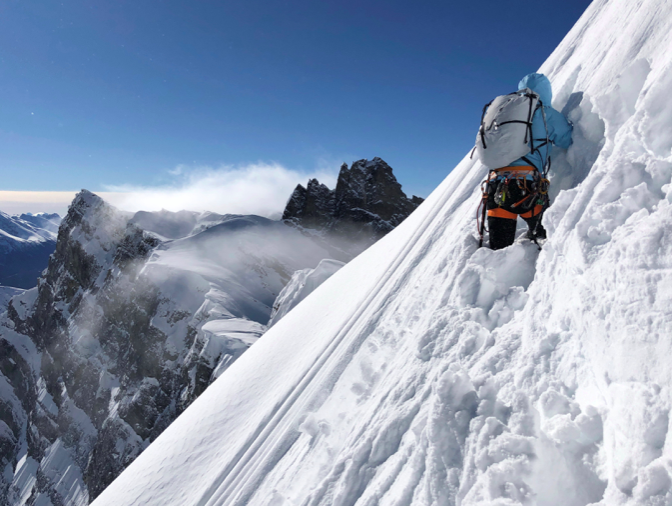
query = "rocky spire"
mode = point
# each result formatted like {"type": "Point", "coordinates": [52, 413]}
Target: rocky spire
{"type": "Point", "coordinates": [368, 202]}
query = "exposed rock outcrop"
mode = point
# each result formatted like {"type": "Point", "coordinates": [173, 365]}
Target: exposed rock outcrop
{"type": "Point", "coordinates": [366, 204]}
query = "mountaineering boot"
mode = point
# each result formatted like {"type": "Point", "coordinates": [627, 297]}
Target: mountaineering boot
{"type": "Point", "coordinates": [535, 230]}
{"type": "Point", "coordinates": [536, 233]}
{"type": "Point", "coordinates": [540, 233]}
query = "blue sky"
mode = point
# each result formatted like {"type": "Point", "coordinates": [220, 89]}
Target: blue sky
{"type": "Point", "coordinates": [100, 94]}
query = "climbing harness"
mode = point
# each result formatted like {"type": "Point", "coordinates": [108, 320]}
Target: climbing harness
{"type": "Point", "coordinates": [502, 187]}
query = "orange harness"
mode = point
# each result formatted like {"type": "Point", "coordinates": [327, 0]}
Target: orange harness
{"type": "Point", "coordinates": [502, 213]}
{"type": "Point", "coordinates": [512, 172]}
{"type": "Point", "coordinates": [515, 172]}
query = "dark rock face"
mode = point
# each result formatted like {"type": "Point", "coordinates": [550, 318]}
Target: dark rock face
{"type": "Point", "coordinates": [312, 207]}
{"type": "Point", "coordinates": [98, 404]}
{"type": "Point", "coordinates": [67, 416]}
{"type": "Point", "coordinates": [368, 202]}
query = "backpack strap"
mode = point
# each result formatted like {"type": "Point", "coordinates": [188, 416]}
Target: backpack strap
{"type": "Point", "coordinates": [528, 132]}
{"type": "Point", "coordinates": [529, 120]}
{"type": "Point", "coordinates": [527, 160]}
{"type": "Point", "coordinates": [543, 142]}
{"type": "Point", "coordinates": [482, 130]}
{"type": "Point", "coordinates": [547, 143]}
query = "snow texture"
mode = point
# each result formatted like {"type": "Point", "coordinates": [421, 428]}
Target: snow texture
{"type": "Point", "coordinates": [429, 372]}
{"type": "Point", "coordinates": [26, 241]}
{"type": "Point", "coordinates": [6, 294]}
{"type": "Point", "coordinates": [302, 284]}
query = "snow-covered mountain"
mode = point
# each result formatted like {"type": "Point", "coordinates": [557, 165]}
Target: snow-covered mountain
{"type": "Point", "coordinates": [26, 241]}
{"type": "Point", "coordinates": [135, 316]}
{"type": "Point", "coordinates": [430, 372]}
{"type": "Point", "coordinates": [125, 330]}
{"type": "Point", "coordinates": [6, 294]}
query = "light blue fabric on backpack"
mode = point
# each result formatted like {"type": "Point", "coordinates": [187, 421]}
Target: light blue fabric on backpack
{"type": "Point", "coordinates": [559, 129]}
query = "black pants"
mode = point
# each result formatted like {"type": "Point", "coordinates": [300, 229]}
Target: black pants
{"type": "Point", "coordinates": [502, 231]}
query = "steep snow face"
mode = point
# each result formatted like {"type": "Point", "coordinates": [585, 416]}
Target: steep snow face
{"type": "Point", "coordinates": [428, 371]}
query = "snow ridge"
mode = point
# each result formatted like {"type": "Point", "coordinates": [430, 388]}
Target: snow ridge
{"type": "Point", "coordinates": [237, 484]}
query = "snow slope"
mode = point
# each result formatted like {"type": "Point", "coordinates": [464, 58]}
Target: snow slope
{"type": "Point", "coordinates": [302, 284]}
{"type": "Point", "coordinates": [171, 225]}
{"type": "Point", "coordinates": [6, 293]}
{"type": "Point", "coordinates": [27, 228]}
{"type": "Point", "coordinates": [239, 264]}
{"type": "Point", "coordinates": [26, 241]}
{"type": "Point", "coordinates": [430, 372]}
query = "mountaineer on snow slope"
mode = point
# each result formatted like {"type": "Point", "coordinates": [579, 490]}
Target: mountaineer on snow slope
{"type": "Point", "coordinates": [518, 186]}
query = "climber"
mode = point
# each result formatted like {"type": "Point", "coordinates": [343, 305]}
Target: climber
{"type": "Point", "coordinates": [520, 187]}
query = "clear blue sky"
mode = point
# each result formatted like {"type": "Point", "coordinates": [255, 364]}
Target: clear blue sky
{"type": "Point", "coordinates": [101, 92]}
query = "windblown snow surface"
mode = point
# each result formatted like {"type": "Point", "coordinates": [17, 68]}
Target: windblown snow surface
{"type": "Point", "coordinates": [6, 294]}
{"type": "Point", "coordinates": [430, 372]}
{"type": "Point", "coordinates": [300, 286]}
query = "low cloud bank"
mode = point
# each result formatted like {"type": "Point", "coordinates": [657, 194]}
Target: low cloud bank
{"type": "Point", "coordinates": [261, 189]}
{"type": "Point", "coordinates": [19, 202]}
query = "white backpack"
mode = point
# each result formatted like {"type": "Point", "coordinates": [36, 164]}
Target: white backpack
{"type": "Point", "coordinates": [505, 134]}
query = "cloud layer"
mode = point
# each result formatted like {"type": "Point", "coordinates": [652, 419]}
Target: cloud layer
{"type": "Point", "coordinates": [261, 189]}
{"type": "Point", "coordinates": [18, 202]}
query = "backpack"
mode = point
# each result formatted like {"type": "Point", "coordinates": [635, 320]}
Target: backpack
{"type": "Point", "coordinates": [505, 134]}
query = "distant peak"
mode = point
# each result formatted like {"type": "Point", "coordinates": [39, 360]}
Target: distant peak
{"type": "Point", "coordinates": [87, 198]}
{"type": "Point", "coordinates": [85, 205]}
{"type": "Point", "coordinates": [366, 165]}
{"type": "Point", "coordinates": [367, 201]}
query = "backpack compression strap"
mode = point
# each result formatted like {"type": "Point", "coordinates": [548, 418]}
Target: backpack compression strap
{"type": "Point", "coordinates": [482, 130]}
{"type": "Point", "coordinates": [528, 131]}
